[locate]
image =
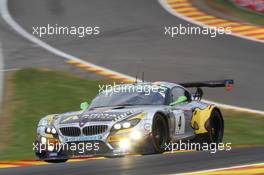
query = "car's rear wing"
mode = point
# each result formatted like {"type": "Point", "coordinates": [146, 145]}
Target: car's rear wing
{"type": "Point", "coordinates": [228, 84]}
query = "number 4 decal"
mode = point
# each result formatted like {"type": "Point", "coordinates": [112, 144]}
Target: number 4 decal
{"type": "Point", "coordinates": [180, 124]}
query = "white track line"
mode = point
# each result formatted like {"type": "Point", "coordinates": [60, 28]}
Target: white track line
{"type": "Point", "coordinates": [8, 18]}
{"type": "Point", "coordinates": [1, 77]}
{"type": "Point", "coordinates": [240, 109]}
{"type": "Point", "coordinates": [168, 8]}
{"type": "Point", "coordinates": [220, 169]}
{"type": "Point", "coordinates": [8, 70]}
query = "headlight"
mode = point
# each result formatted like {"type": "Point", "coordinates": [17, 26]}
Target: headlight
{"type": "Point", "coordinates": [117, 126]}
{"type": "Point", "coordinates": [126, 124]}
{"type": "Point", "coordinates": [53, 131]}
{"type": "Point", "coordinates": [50, 130]}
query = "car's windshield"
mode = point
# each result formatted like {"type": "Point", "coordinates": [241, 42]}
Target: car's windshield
{"type": "Point", "coordinates": [129, 95]}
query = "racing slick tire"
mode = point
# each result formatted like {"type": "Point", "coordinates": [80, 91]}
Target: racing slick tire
{"type": "Point", "coordinates": [56, 161]}
{"type": "Point", "coordinates": [215, 128]}
{"type": "Point", "coordinates": [160, 136]}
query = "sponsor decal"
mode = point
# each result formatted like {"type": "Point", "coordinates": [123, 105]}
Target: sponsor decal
{"type": "Point", "coordinates": [83, 138]}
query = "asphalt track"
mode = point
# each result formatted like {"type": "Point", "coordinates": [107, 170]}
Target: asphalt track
{"type": "Point", "coordinates": [133, 40]}
{"type": "Point", "coordinates": [150, 164]}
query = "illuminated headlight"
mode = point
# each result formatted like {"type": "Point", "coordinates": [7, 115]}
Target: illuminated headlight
{"type": "Point", "coordinates": [126, 125]}
{"type": "Point", "coordinates": [117, 126]}
{"type": "Point", "coordinates": [124, 144]}
{"type": "Point", "coordinates": [53, 131]}
{"type": "Point", "coordinates": [135, 135]}
{"type": "Point", "coordinates": [50, 130]}
{"type": "Point", "coordinates": [43, 140]}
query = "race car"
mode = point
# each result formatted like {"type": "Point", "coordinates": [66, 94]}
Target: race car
{"type": "Point", "coordinates": [140, 117]}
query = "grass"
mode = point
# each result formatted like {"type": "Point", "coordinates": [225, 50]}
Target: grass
{"type": "Point", "coordinates": [227, 7]}
{"type": "Point", "coordinates": [38, 92]}
{"type": "Point", "coordinates": [243, 128]}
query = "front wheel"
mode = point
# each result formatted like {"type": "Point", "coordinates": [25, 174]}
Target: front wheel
{"type": "Point", "coordinates": [160, 135]}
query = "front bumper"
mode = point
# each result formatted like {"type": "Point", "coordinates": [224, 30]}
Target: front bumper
{"type": "Point", "coordinates": [118, 144]}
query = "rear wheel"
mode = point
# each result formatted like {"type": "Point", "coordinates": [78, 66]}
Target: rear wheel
{"type": "Point", "coordinates": [215, 127]}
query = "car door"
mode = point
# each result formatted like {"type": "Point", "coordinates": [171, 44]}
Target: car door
{"type": "Point", "coordinates": [182, 113]}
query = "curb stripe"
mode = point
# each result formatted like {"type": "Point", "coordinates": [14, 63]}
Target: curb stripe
{"type": "Point", "coordinates": [259, 35]}
{"type": "Point", "coordinates": [223, 24]}
{"type": "Point", "coordinates": [10, 164]}
{"type": "Point", "coordinates": [214, 21]}
{"type": "Point", "coordinates": [98, 71]}
{"type": "Point", "coordinates": [239, 27]}
{"type": "Point", "coordinates": [18, 163]}
{"type": "Point", "coordinates": [192, 14]}
{"type": "Point", "coordinates": [257, 31]}
{"type": "Point", "coordinates": [250, 28]}
{"type": "Point", "coordinates": [201, 18]}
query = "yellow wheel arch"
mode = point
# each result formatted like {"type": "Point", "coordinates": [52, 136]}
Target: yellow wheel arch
{"type": "Point", "coordinates": [200, 117]}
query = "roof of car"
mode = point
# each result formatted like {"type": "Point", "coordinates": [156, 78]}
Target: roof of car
{"type": "Point", "coordinates": [160, 83]}
{"type": "Point", "coordinates": [167, 84]}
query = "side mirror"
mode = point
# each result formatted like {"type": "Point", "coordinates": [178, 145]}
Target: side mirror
{"type": "Point", "coordinates": [84, 105]}
{"type": "Point", "coordinates": [179, 100]}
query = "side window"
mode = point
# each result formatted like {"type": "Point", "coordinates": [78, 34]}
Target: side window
{"type": "Point", "coordinates": [177, 92]}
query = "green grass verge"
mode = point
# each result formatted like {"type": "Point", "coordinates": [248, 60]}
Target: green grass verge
{"type": "Point", "coordinates": [243, 128]}
{"type": "Point", "coordinates": [36, 94]}
{"type": "Point", "coordinates": [41, 92]}
{"type": "Point", "coordinates": [227, 7]}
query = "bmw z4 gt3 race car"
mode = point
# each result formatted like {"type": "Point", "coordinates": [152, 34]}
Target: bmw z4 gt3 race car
{"type": "Point", "coordinates": [132, 118]}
